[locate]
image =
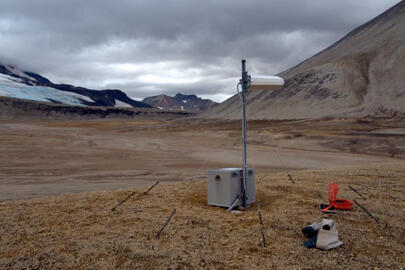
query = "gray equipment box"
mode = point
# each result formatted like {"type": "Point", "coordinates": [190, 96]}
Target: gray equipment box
{"type": "Point", "coordinates": [225, 184]}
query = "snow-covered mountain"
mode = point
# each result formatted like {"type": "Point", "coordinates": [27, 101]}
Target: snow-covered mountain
{"type": "Point", "coordinates": [28, 85]}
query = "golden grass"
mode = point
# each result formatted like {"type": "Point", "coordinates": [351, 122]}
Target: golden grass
{"type": "Point", "coordinates": [80, 232]}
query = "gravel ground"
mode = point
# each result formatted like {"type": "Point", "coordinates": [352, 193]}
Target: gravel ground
{"type": "Point", "coordinates": [78, 231]}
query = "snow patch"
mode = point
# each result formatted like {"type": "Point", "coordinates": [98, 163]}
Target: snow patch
{"type": "Point", "coordinates": [119, 103]}
{"type": "Point", "coordinates": [20, 73]}
{"type": "Point", "coordinates": [85, 98]}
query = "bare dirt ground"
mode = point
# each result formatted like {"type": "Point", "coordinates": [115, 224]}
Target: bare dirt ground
{"type": "Point", "coordinates": [77, 230]}
{"type": "Point", "coordinates": [42, 158]}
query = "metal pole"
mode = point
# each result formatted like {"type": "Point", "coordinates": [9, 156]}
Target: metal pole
{"type": "Point", "coordinates": [244, 82]}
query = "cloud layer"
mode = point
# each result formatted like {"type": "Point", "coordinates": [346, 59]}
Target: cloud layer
{"type": "Point", "coordinates": [149, 47]}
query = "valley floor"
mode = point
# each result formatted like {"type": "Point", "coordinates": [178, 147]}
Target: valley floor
{"type": "Point", "coordinates": [53, 157]}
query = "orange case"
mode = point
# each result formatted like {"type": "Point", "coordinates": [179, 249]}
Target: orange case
{"type": "Point", "coordinates": [340, 204]}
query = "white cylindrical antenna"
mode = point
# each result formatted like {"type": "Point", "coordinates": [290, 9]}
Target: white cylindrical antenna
{"type": "Point", "coordinates": [265, 83]}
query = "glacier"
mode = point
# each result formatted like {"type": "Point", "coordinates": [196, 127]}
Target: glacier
{"type": "Point", "coordinates": [13, 87]}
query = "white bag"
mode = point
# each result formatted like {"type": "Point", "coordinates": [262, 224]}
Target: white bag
{"type": "Point", "coordinates": [328, 235]}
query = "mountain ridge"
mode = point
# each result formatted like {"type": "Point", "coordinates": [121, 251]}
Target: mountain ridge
{"type": "Point", "coordinates": [360, 74]}
{"type": "Point", "coordinates": [180, 101]}
{"type": "Point", "coordinates": [29, 81]}
{"type": "Point", "coordinates": [106, 97]}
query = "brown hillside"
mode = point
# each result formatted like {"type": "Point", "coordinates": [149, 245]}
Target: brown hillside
{"type": "Point", "coordinates": [361, 74]}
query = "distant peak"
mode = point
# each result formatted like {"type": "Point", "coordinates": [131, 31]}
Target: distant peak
{"type": "Point", "coordinates": [180, 102]}
{"type": "Point", "coordinates": [180, 96]}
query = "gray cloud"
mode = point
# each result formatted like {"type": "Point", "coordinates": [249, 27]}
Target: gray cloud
{"type": "Point", "coordinates": [150, 47]}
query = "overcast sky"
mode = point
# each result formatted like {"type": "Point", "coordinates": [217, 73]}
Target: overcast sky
{"type": "Point", "coordinates": [148, 47]}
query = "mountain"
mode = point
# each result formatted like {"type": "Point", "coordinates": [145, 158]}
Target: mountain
{"type": "Point", "coordinates": [16, 83]}
{"type": "Point", "coordinates": [180, 102]}
{"type": "Point", "coordinates": [361, 74]}
{"type": "Point", "coordinates": [16, 108]}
